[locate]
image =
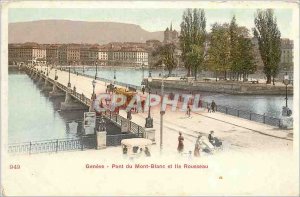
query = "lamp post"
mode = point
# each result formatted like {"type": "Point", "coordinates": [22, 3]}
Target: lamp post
{"type": "Point", "coordinates": [47, 70]}
{"type": "Point", "coordinates": [286, 82]}
{"type": "Point", "coordinates": [55, 74]}
{"type": "Point", "coordinates": [149, 120]}
{"type": "Point", "coordinates": [96, 70]}
{"type": "Point", "coordinates": [102, 126]}
{"type": "Point", "coordinates": [69, 83]}
{"type": "Point", "coordinates": [114, 81]}
{"type": "Point", "coordinates": [143, 70]}
{"type": "Point", "coordinates": [161, 109]}
{"type": "Point", "coordinates": [94, 85]}
{"type": "Point", "coordinates": [287, 119]}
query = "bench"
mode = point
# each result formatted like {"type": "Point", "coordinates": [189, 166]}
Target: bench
{"type": "Point", "coordinates": [255, 81]}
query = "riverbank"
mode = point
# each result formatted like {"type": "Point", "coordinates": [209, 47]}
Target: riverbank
{"type": "Point", "coordinates": [235, 88]}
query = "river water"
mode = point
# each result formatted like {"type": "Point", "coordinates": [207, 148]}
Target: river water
{"type": "Point", "coordinates": [33, 116]}
{"type": "Point", "coordinates": [269, 105]}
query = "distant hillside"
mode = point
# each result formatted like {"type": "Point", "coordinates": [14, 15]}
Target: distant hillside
{"type": "Point", "coordinates": [65, 31]}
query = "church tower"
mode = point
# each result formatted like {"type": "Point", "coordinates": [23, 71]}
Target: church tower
{"type": "Point", "coordinates": [170, 35]}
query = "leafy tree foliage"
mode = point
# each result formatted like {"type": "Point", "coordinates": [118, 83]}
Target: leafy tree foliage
{"type": "Point", "coordinates": [219, 50]}
{"type": "Point", "coordinates": [192, 39]}
{"type": "Point", "coordinates": [165, 54]}
{"type": "Point", "coordinates": [268, 35]}
{"type": "Point", "coordinates": [231, 50]}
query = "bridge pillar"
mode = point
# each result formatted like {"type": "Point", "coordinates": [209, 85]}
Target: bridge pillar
{"type": "Point", "coordinates": [31, 74]}
{"type": "Point", "coordinates": [40, 81]}
{"type": "Point", "coordinates": [71, 104]}
{"type": "Point", "coordinates": [36, 76]}
{"type": "Point", "coordinates": [47, 86]}
{"type": "Point", "coordinates": [55, 91]}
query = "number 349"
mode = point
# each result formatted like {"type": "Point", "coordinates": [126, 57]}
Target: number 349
{"type": "Point", "coordinates": [16, 166]}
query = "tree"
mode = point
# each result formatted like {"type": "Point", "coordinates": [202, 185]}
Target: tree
{"type": "Point", "coordinates": [219, 51]}
{"type": "Point", "coordinates": [246, 58]}
{"type": "Point", "coordinates": [196, 58]}
{"type": "Point", "coordinates": [234, 47]}
{"type": "Point", "coordinates": [192, 33]}
{"type": "Point", "coordinates": [166, 55]}
{"type": "Point", "coordinates": [268, 35]}
{"type": "Point", "coordinates": [241, 51]}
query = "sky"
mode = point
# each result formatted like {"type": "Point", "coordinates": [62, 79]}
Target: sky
{"type": "Point", "coordinates": [149, 19]}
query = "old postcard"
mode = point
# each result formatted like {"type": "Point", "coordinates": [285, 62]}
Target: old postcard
{"type": "Point", "coordinates": [149, 98]}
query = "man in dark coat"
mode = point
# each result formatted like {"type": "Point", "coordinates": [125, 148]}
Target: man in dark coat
{"type": "Point", "coordinates": [213, 106]}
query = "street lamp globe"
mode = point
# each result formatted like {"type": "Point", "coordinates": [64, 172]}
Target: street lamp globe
{"type": "Point", "coordinates": [150, 78]}
{"type": "Point", "coordinates": [286, 80]}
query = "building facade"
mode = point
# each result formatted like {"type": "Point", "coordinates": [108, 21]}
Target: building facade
{"type": "Point", "coordinates": [103, 56]}
{"type": "Point", "coordinates": [129, 56]}
{"type": "Point", "coordinates": [69, 54]}
{"type": "Point", "coordinates": [52, 54]}
{"type": "Point", "coordinates": [27, 53]}
{"type": "Point", "coordinates": [86, 56]}
{"type": "Point", "coordinates": [287, 57]}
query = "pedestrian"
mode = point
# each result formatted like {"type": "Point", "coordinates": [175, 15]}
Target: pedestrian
{"type": "Point", "coordinates": [197, 147]}
{"type": "Point", "coordinates": [117, 110]}
{"type": "Point", "coordinates": [200, 103]}
{"type": "Point", "coordinates": [147, 152]}
{"type": "Point", "coordinates": [143, 89]}
{"type": "Point", "coordinates": [208, 108]}
{"type": "Point", "coordinates": [188, 111]}
{"type": "Point", "coordinates": [214, 140]}
{"type": "Point", "coordinates": [143, 105]}
{"type": "Point", "coordinates": [213, 106]}
{"type": "Point", "coordinates": [180, 143]}
{"type": "Point", "coordinates": [129, 117]}
{"type": "Point", "coordinates": [171, 96]}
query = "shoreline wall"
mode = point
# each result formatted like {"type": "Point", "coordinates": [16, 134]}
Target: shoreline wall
{"type": "Point", "coordinates": [224, 87]}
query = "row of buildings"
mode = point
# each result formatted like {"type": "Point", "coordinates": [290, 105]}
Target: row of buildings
{"type": "Point", "coordinates": [128, 53]}
{"type": "Point", "coordinates": [118, 53]}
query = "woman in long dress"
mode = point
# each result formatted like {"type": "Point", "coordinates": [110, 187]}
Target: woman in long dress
{"type": "Point", "coordinates": [180, 143]}
{"type": "Point", "coordinates": [197, 147]}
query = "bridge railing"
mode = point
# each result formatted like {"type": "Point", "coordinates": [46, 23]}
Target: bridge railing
{"type": "Point", "coordinates": [47, 146]}
{"type": "Point", "coordinates": [134, 128]}
{"type": "Point", "coordinates": [115, 140]}
{"type": "Point", "coordinates": [246, 115]}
